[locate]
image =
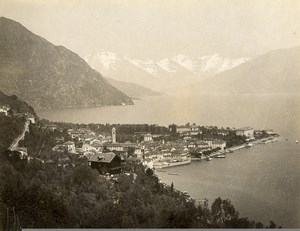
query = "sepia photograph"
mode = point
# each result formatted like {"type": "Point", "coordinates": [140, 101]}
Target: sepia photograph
{"type": "Point", "coordinates": [149, 114]}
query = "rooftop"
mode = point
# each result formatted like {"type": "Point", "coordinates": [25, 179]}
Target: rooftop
{"type": "Point", "coordinates": [244, 129]}
{"type": "Point", "coordinates": [103, 157]}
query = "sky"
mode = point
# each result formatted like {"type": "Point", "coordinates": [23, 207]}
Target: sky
{"type": "Point", "coordinates": [159, 28]}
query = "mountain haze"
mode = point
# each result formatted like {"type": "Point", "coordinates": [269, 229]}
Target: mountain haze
{"type": "Point", "coordinates": [274, 72]}
{"type": "Point", "coordinates": [49, 76]}
{"type": "Point", "coordinates": [132, 89]}
{"type": "Point", "coordinates": [161, 73]}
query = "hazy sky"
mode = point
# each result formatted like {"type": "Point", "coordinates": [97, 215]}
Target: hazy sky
{"type": "Point", "coordinates": [162, 27]}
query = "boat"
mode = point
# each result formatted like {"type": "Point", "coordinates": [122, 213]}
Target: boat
{"type": "Point", "coordinates": [221, 156]}
{"type": "Point", "coordinates": [248, 145]}
{"type": "Point", "coordinates": [172, 163]}
{"type": "Point", "coordinates": [208, 158]}
{"type": "Point", "coordinates": [173, 173]}
{"type": "Point", "coordinates": [296, 141]}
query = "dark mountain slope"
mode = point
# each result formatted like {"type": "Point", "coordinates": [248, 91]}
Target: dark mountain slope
{"type": "Point", "coordinates": [49, 76]}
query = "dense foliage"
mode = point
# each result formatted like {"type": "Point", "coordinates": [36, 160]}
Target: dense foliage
{"type": "Point", "coordinates": [231, 138]}
{"type": "Point", "coordinates": [10, 128]}
{"type": "Point", "coordinates": [48, 195]}
{"type": "Point", "coordinates": [16, 105]}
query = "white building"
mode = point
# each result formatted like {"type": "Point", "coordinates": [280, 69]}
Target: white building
{"type": "Point", "coordinates": [5, 110]}
{"type": "Point", "coordinates": [246, 131]}
{"type": "Point", "coordinates": [114, 135]}
{"type": "Point", "coordinates": [148, 137]}
{"type": "Point", "coordinates": [70, 146]}
{"type": "Point", "coordinates": [218, 144]}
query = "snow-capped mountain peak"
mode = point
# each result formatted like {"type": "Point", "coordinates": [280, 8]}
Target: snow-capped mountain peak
{"type": "Point", "coordinates": [166, 65]}
{"type": "Point", "coordinates": [174, 70]}
{"type": "Point", "coordinates": [185, 62]}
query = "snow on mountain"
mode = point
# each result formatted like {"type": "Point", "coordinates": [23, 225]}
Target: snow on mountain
{"type": "Point", "coordinates": [104, 58]}
{"type": "Point", "coordinates": [218, 64]}
{"type": "Point", "coordinates": [185, 62]}
{"type": "Point", "coordinates": [155, 74]}
{"type": "Point", "coordinates": [146, 65]}
{"type": "Point", "coordinates": [166, 65]}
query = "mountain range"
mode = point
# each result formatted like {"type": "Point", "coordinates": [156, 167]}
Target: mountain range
{"type": "Point", "coordinates": [274, 72]}
{"type": "Point", "coordinates": [48, 76]}
{"type": "Point", "coordinates": [166, 72]}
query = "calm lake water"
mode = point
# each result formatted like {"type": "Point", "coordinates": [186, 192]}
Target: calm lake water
{"type": "Point", "coordinates": [262, 182]}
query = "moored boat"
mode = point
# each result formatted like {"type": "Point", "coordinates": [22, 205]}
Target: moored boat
{"type": "Point", "coordinates": [248, 145]}
{"type": "Point", "coordinates": [173, 163]}
{"type": "Point", "coordinates": [221, 156]}
{"type": "Point", "coordinates": [208, 158]}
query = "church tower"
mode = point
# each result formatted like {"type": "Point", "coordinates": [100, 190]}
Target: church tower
{"type": "Point", "coordinates": [114, 135]}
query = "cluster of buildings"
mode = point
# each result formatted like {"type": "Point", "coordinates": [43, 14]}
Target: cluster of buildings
{"type": "Point", "coordinates": [105, 154]}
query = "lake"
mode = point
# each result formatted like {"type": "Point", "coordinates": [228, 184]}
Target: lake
{"type": "Point", "coordinates": [262, 182]}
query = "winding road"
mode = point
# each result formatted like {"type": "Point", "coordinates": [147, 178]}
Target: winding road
{"type": "Point", "coordinates": [15, 143]}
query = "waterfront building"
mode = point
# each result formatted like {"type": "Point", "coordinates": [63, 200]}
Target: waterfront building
{"type": "Point", "coordinates": [218, 144]}
{"type": "Point", "coordinates": [246, 131]}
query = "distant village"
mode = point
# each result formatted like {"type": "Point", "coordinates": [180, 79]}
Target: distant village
{"type": "Point", "coordinates": [173, 146]}
{"type": "Point", "coordinates": [183, 144]}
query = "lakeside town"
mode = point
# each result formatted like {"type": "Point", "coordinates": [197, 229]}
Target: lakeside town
{"type": "Point", "coordinates": [154, 146]}
{"type": "Point", "coordinates": [120, 158]}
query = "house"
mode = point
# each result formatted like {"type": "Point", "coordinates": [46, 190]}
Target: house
{"type": "Point", "coordinates": [87, 148]}
{"type": "Point", "coordinates": [59, 148]}
{"type": "Point", "coordinates": [148, 137]}
{"type": "Point", "coordinates": [51, 127]}
{"type": "Point", "coordinates": [214, 144]}
{"type": "Point", "coordinates": [107, 162]}
{"type": "Point", "coordinates": [223, 132]}
{"type": "Point", "coordinates": [59, 140]}
{"type": "Point", "coordinates": [182, 129]}
{"type": "Point", "coordinates": [70, 146]}
{"type": "Point", "coordinates": [31, 118]}
{"type": "Point", "coordinates": [121, 147]}
{"type": "Point", "coordinates": [202, 145]}
{"type": "Point", "coordinates": [189, 130]}
{"type": "Point", "coordinates": [5, 109]}
{"type": "Point", "coordinates": [97, 146]}
{"type": "Point", "coordinates": [138, 152]}
{"type": "Point", "coordinates": [218, 144]}
{"type": "Point", "coordinates": [23, 152]}
{"type": "Point", "coordinates": [246, 131]}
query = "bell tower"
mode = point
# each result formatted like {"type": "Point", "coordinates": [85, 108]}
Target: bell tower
{"type": "Point", "coordinates": [114, 135]}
